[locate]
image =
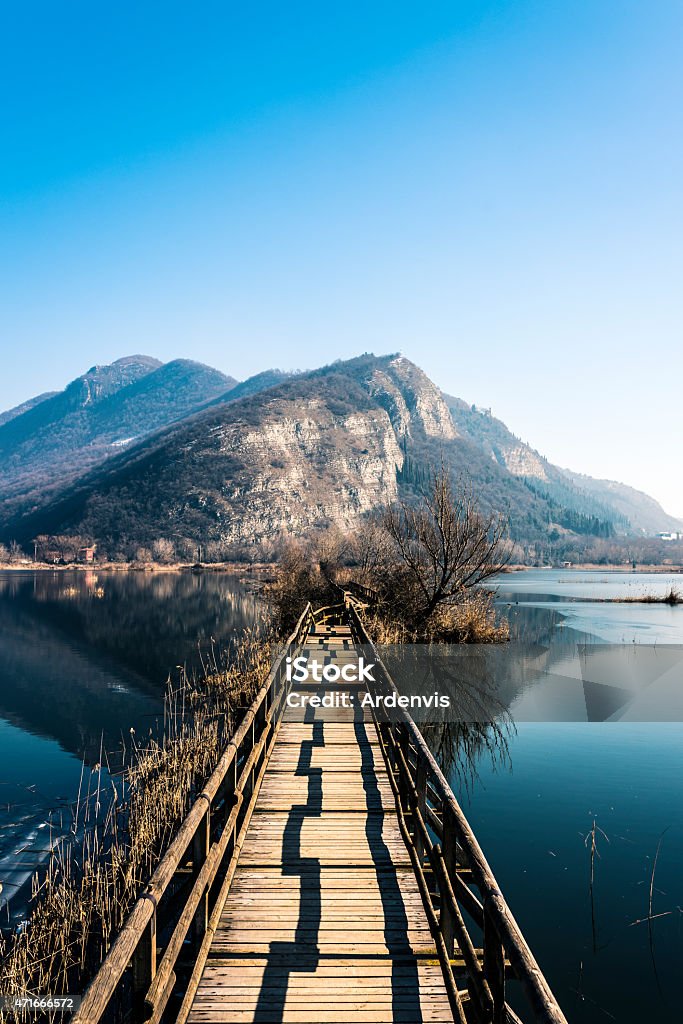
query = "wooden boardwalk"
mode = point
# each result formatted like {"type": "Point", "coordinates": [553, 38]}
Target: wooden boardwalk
{"type": "Point", "coordinates": [324, 921]}
{"type": "Point", "coordinates": [325, 874]}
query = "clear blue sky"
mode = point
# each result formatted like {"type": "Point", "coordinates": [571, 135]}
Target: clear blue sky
{"type": "Point", "coordinates": [492, 188]}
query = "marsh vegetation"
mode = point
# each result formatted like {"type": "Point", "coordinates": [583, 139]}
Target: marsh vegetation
{"type": "Point", "coordinates": [420, 567]}
{"type": "Point", "coordinates": [123, 821]}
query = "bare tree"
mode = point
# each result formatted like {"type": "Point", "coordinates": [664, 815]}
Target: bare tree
{"type": "Point", "coordinates": [15, 553]}
{"type": "Point", "coordinates": [298, 579]}
{"type": "Point", "coordinates": [163, 550]}
{"type": "Point", "coordinates": [442, 546]}
{"type": "Point", "coordinates": [370, 548]}
{"type": "Point", "coordinates": [329, 549]}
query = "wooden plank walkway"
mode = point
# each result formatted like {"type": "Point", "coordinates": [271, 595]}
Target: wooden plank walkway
{"type": "Point", "coordinates": [324, 922]}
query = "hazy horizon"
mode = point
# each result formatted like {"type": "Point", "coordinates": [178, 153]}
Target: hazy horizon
{"type": "Point", "coordinates": [492, 188]}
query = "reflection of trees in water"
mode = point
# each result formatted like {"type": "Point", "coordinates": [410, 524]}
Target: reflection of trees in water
{"type": "Point", "coordinates": [460, 747]}
{"type": "Point", "coordinates": [88, 653]}
{"type": "Point", "coordinates": [477, 724]}
{"type": "Point", "coordinates": [483, 682]}
{"type": "Point", "coordinates": [55, 687]}
{"type": "Point", "coordinates": [532, 625]}
{"type": "Point", "coordinates": [149, 622]}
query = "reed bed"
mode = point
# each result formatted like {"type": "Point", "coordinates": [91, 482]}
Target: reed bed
{"type": "Point", "coordinates": [472, 620]}
{"type": "Point", "coordinates": [672, 597]}
{"type": "Point", "coordinates": [122, 823]}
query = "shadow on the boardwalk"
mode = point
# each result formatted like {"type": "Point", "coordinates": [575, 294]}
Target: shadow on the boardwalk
{"type": "Point", "coordinates": [302, 953]}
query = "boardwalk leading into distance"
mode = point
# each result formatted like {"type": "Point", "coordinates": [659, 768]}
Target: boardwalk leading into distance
{"type": "Point", "coordinates": [324, 921]}
{"type": "Point", "coordinates": [325, 874]}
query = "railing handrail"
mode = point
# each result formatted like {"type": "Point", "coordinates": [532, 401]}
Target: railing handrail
{"type": "Point", "coordinates": [346, 591]}
{"type": "Point", "coordinates": [140, 923]}
{"type": "Point", "coordinates": [103, 985]}
{"type": "Point", "coordinates": [526, 968]}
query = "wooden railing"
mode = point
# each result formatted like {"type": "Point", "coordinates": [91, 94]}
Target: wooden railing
{"type": "Point", "coordinates": [450, 865]}
{"type": "Point", "coordinates": [173, 921]}
{"type": "Point", "coordinates": [161, 951]}
{"type": "Point", "coordinates": [351, 590]}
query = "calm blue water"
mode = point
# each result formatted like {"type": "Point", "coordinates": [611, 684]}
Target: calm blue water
{"type": "Point", "coordinates": [84, 657]}
{"type": "Point", "coordinates": [533, 809]}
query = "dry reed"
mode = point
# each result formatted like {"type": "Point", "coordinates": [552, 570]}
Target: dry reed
{"type": "Point", "coordinates": [472, 620]}
{"type": "Point", "coordinates": [122, 824]}
{"type": "Point", "coordinates": [672, 597]}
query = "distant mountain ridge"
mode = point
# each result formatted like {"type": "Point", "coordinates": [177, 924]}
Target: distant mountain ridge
{"type": "Point", "coordinates": [146, 450]}
{"type": "Point", "coordinates": [61, 436]}
{"type": "Point", "coordinates": [635, 506]}
{"type": "Point", "coordinates": [605, 499]}
{"type": "Point", "coordinates": [19, 410]}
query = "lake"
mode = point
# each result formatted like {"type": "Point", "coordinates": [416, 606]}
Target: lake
{"type": "Point", "coordinates": [533, 806]}
{"type": "Point", "coordinates": [589, 731]}
{"type": "Point", "coordinates": [84, 658]}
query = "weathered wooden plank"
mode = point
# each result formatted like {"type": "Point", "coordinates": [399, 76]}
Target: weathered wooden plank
{"type": "Point", "coordinates": [324, 922]}
{"type": "Point", "coordinates": [363, 968]}
{"type": "Point", "coordinates": [222, 1014]}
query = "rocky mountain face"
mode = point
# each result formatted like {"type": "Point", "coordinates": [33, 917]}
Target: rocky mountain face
{"type": "Point", "coordinates": [285, 453]}
{"type": "Point", "coordinates": [413, 402]}
{"type": "Point", "coordinates": [60, 436]}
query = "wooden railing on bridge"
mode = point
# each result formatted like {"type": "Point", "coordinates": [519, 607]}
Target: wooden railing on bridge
{"type": "Point", "coordinates": [181, 904]}
{"type": "Point", "coordinates": [439, 836]}
{"type": "Point", "coordinates": [179, 910]}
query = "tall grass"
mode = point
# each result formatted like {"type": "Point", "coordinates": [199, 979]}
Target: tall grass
{"type": "Point", "coordinates": [122, 824]}
{"type": "Point", "coordinates": [472, 620]}
{"type": "Point", "coordinates": [672, 597]}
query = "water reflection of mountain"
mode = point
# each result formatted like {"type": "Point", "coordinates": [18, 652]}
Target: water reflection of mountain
{"type": "Point", "coordinates": [63, 689]}
{"type": "Point", "coordinates": [84, 652]}
{"type": "Point", "coordinates": [151, 622]}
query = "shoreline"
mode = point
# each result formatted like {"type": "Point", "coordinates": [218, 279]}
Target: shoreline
{"type": "Point", "coordinates": [659, 568]}
{"type": "Point", "coordinates": [265, 568]}
{"type": "Point", "coordinates": [233, 568]}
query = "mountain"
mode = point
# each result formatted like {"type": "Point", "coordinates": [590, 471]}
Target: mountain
{"type": "Point", "coordinates": [260, 382]}
{"type": "Point", "coordinates": [646, 514]}
{"type": "Point", "coordinates": [287, 453]}
{"type": "Point", "coordinates": [109, 407]}
{"type": "Point", "coordinates": [315, 448]}
{"type": "Point", "coordinates": [18, 410]}
{"type": "Point", "coordinates": [628, 509]}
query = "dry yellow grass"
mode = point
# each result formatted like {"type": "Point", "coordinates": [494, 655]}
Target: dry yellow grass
{"type": "Point", "coordinates": [122, 825]}
{"type": "Point", "coordinates": [472, 620]}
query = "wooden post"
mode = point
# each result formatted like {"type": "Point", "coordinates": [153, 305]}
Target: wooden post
{"type": "Point", "coordinates": [200, 851]}
{"type": "Point", "coordinates": [254, 770]}
{"type": "Point", "coordinates": [421, 787]}
{"type": "Point", "coordinates": [449, 846]}
{"type": "Point", "coordinates": [403, 781]}
{"type": "Point", "coordinates": [144, 965]}
{"type": "Point", "coordinates": [494, 968]}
